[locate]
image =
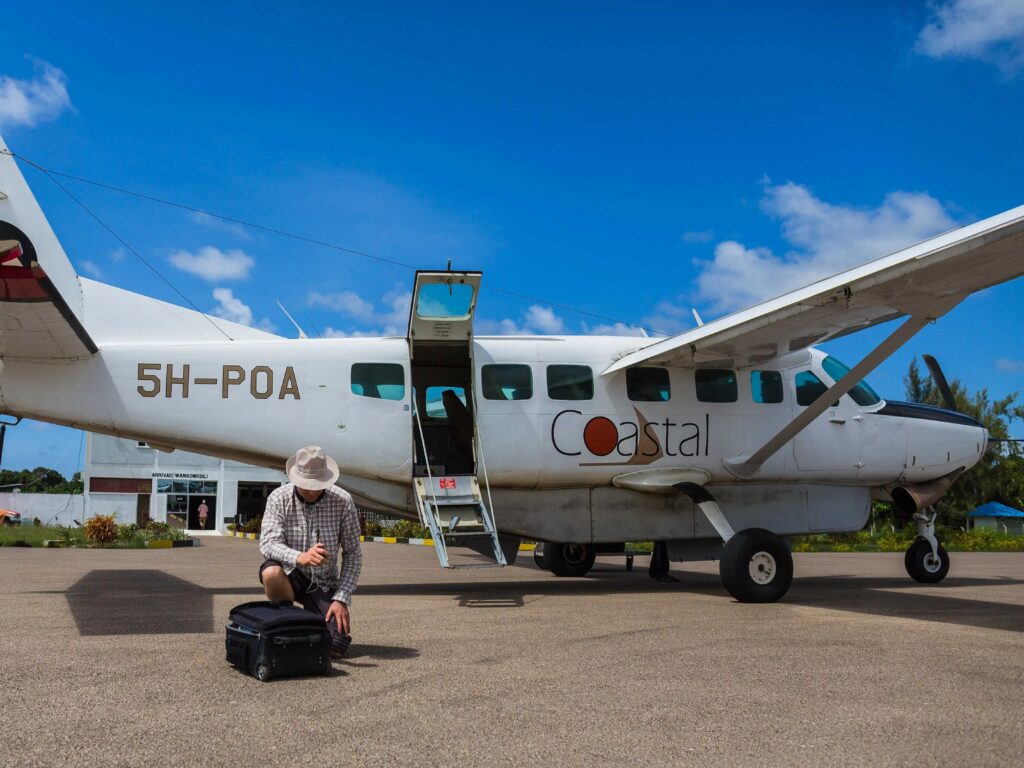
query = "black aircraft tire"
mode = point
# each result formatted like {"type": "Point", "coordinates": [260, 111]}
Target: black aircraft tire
{"type": "Point", "coordinates": [920, 567]}
{"type": "Point", "coordinates": [570, 559]}
{"type": "Point", "coordinates": [756, 566]}
{"type": "Point", "coordinates": [540, 556]}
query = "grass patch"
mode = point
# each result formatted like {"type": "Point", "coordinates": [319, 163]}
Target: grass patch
{"type": "Point", "coordinates": [35, 535]}
{"type": "Point", "coordinates": [898, 541]}
{"type": "Point", "coordinates": [128, 536]}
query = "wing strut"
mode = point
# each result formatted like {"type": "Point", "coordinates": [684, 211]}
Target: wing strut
{"type": "Point", "coordinates": [746, 467]}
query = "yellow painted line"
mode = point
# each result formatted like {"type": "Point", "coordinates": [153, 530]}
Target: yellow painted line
{"type": "Point", "coordinates": [390, 539]}
{"type": "Point", "coordinates": [527, 547]}
{"type": "Point", "coordinates": [159, 544]}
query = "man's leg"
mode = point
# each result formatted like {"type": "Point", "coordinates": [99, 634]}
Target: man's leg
{"type": "Point", "coordinates": [319, 601]}
{"type": "Point", "coordinates": [276, 583]}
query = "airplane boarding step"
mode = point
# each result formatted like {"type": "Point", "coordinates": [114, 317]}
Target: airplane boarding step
{"type": "Point", "coordinates": [454, 511]}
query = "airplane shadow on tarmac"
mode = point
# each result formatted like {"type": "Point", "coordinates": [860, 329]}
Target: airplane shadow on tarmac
{"type": "Point", "coordinates": [878, 596]}
{"type": "Point", "coordinates": [145, 602]}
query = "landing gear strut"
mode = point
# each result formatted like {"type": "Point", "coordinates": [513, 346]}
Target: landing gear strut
{"type": "Point", "coordinates": [926, 561]}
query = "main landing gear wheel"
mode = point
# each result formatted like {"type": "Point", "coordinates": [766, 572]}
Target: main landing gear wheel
{"type": "Point", "coordinates": [756, 566]}
{"type": "Point", "coordinates": [923, 565]}
{"type": "Point", "coordinates": [569, 559]}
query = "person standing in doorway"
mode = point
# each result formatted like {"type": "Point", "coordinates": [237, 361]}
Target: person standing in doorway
{"type": "Point", "coordinates": [203, 512]}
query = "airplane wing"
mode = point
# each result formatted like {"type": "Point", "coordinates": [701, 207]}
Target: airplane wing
{"type": "Point", "coordinates": [924, 280]}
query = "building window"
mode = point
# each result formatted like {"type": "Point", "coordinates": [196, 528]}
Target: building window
{"type": "Point", "coordinates": [648, 385]}
{"type": "Point", "coordinates": [384, 381]}
{"type": "Point", "coordinates": [142, 444]}
{"type": "Point", "coordinates": [766, 386]}
{"type": "Point", "coordinates": [716, 385]}
{"type": "Point", "coordinates": [506, 382]}
{"type": "Point", "coordinates": [570, 382]}
{"type": "Point", "coordinates": [808, 388]}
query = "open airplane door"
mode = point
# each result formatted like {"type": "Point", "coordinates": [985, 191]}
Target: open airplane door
{"type": "Point", "coordinates": [442, 309]}
{"type": "Point", "coordinates": [445, 485]}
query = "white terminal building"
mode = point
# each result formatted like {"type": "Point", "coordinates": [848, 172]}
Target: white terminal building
{"type": "Point", "coordinates": [137, 483]}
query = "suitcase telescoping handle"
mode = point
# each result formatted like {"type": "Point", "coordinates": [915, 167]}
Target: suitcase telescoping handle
{"type": "Point", "coordinates": [311, 639]}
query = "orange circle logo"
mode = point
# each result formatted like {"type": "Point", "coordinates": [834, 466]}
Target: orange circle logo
{"type": "Point", "coordinates": [600, 436]}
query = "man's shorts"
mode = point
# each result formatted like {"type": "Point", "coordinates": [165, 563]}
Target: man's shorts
{"type": "Point", "coordinates": [313, 599]}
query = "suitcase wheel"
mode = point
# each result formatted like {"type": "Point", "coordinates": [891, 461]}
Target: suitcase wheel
{"type": "Point", "coordinates": [263, 673]}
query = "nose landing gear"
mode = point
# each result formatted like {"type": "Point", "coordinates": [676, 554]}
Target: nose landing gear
{"type": "Point", "coordinates": [926, 561]}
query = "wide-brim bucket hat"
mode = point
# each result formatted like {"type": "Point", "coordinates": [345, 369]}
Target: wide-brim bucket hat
{"type": "Point", "coordinates": [312, 469]}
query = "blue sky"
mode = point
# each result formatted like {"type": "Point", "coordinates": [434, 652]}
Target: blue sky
{"type": "Point", "coordinates": [631, 160]}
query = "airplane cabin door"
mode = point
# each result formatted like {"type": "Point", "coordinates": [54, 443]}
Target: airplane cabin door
{"type": "Point", "coordinates": [440, 351]}
{"type": "Point", "coordinates": [832, 442]}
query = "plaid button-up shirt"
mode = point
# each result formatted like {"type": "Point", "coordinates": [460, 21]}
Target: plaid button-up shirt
{"type": "Point", "coordinates": [290, 527]}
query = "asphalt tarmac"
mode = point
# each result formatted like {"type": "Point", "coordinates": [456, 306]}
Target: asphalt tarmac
{"type": "Point", "coordinates": [117, 658]}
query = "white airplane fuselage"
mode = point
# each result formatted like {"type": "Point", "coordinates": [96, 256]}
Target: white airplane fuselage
{"type": "Point", "coordinates": [551, 464]}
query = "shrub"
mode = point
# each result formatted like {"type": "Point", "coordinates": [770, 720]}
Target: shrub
{"type": "Point", "coordinates": [127, 532]}
{"type": "Point", "coordinates": [371, 528]}
{"type": "Point", "coordinates": [254, 525]}
{"type": "Point", "coordinates": [158, 529]}
{"type": "Point", "coordinates": [101, 529]}
{"type": "Point", "coordinates": [409, 529]}
{"type": "Point", "coordinates": [37, 522]}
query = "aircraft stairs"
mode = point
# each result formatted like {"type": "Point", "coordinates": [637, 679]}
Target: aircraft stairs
{"type": "Point", "coordinates": [453, 508]}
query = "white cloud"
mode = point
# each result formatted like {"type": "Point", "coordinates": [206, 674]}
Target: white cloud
{"type": "Point", "coordinates": [29, 102]}
{"type": "Point", "coordinates": [213, 222]}
{"type": "Point", "coordinates": [829, 238]}
{"type": "Point", "coordinates": [213, 265]}
{"type": "Point", "coordinates": [389, 319]}
{"type": "Point", "coordinates": [117, 255]}
{"type": "Point", "coordinates": [91, 268]}
{"type": "Point", "coordinates": [611, 329]}
{"type": "Point", "coordinates": [991, 30]}
{"type": "Point", "coordinates": [230, 307]}
{"type": "Point", "coordinates": [1009, 365]}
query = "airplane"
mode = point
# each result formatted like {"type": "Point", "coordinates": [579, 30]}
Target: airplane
{"type": "Point", "coordinates": [722, 441]}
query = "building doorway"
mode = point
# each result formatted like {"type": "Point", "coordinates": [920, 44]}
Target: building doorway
{"type": "Point", "coordinates": [252, 500]}
{"type": "Point", "coordinates": [142, 510]}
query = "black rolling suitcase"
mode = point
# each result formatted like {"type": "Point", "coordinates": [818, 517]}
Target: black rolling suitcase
{"type": "Point", "coordinates": [277, 639]}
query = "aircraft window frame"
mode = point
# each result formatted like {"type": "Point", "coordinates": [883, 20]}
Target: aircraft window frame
{"type": "Point", "coordinates": [758, 386]}
{"type": "Point", "coordinates": [648, 384]}
{"type": "Point", "coordinates": [358, 378]}
{"type": "Point", "coordinates": [491, 383]}
{"type": "Point", "coordinates": [708, 383]}
{"type": "Point", "coordinates": [565, 387]}
{"type": "Point", "coordinates": [862, 394]}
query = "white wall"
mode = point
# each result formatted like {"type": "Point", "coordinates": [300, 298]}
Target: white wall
{"type": "Point", "coordinates": [50, 508]}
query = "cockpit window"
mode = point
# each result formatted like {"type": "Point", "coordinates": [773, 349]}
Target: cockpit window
{"type": "Point", "coordinates": [862, 394]}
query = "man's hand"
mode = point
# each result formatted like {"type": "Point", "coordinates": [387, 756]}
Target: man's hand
{"type": "Point", "coordinates": [315, 555]}
{"type": "Point", "coordinates": [339, 613]}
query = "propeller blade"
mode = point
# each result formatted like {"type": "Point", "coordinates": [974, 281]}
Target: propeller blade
{"type": "Point", "coordinates": [940, 381]}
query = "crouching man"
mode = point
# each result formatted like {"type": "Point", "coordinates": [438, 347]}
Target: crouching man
{"type": "Point", "coordinates": [306, 524]}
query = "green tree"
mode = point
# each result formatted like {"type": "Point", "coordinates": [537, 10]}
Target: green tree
{"type": "Point", "coordinates": [999, 476]}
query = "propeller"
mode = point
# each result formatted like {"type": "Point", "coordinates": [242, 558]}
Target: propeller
{"type": "Point", "coordinates": [940, 382]}
{"type": "Point", "coordinates": [947, 394]}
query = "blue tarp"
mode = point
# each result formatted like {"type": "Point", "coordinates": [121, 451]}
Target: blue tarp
{"type": "Point", "coordinates": [995, 509]}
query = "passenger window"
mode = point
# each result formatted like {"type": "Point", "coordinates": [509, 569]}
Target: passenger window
{"type": "Point", "coordinates": [808, 388]}
{"type": "Point", "coordinates": [435, 406]}
{"type": "Point", "coordinates": [385, 381]}
{"type": "Point", "coordinates": [506, 382]}
{"type": "Point", "coordinates": [766, 386]}
{"type": "Point", "coordinates": [716, 385]}
{"type": "Point", "coordinates": [570, 382]}
{"type": "Point", "coordinates": [648, 385]}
